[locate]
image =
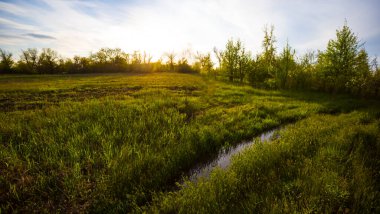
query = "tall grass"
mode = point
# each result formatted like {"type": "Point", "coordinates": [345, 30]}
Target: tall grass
{"type": "Point", "coordinates": [112, 143]}
{"type": "Point", "coordinates": [324, 164]}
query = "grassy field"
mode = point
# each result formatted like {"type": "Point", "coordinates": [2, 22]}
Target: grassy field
{"type": "Point", "coordinates": [118, 143]}
{"type": "Point", "coordinates": [324, 164]}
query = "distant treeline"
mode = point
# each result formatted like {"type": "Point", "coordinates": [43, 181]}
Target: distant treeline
{"type": "Point", "coordinates": [106, 60]}
{"type": "Point", "coordinates": [344, 67]}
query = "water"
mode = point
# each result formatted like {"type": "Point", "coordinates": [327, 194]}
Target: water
{"type": "Point", "coordinates": [223, 160]}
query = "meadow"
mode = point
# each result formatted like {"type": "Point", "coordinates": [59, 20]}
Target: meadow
{"type": "Point", "coordinates": [120, 143]}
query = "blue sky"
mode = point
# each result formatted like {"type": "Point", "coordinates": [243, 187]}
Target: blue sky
{"type": "Point", "coordinates": [78, 27]}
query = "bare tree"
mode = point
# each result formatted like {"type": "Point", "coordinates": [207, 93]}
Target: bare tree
{"type": "Point", "coordinates": [171, 56]}
{"type": "Point", "coordinates": [218, 55]}
{"type": "Point", "coordinates": [374, 64]}
{"type": "Point", "coordinates": [147, 58]}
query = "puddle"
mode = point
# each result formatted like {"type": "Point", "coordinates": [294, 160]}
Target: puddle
{"type": "Point", "coordinates": [223, 160]}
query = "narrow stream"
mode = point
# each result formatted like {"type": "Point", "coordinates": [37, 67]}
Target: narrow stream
{"type": "Point", "coordinates": [223, 159]}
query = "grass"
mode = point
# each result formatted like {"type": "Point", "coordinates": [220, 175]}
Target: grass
{"type": "Point", "coordinates": [118, 143]}
{"type": "Point", "coordinates": [323, 164]}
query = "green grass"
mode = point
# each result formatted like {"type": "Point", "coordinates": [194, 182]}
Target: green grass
{"type": "Point", "coordinates": [114, 143]}
{"type": "Point", "coordinates": [324, 164]}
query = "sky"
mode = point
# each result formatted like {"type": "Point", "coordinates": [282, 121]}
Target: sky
{"type": "Point", "coordinates": [79, 27]}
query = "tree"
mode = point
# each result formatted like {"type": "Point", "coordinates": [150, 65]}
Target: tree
{"type": "Point", "coordinates": [205, 63]}
{"type": "Point", "coordinates": [183, 66]}
{"type": "Point", "coordinates": [218, 55]}
{"type": "Point", "coordinates": [268, 57]}
{"type": "Point", "coordinates": [28, 61]}
{"type": "Point", "coordinates": [286, 63]}
{"type": "Point", "coordinates": [303, 76]}
{"type": "Point", "coordinates": [264, 66]}
{"type": "Point", "coordinates": [111, 60]}
{"type": "Point", "coordinates": [244, 64]}
{"type": "Point", "coordinates": [171, 56]}
{"type": "Point", "coordinates": [235, 61]}
{"type": "Point", "coordinates": [361, 73]}
{"type": "Point", "coordinates": [230, 58]}
{"type": "Point", "coordinates": [147, 58]}
{"type": "Point", "coordinates": [137, 58]}
{"type": "Point", "coordinates": [80, 65]}
{"type": "Point", "coordinates": [6, 62]}
{"type": "Point", "coordinates": [338, 63]}
{"type": "Point", "coordinates": [376, 83]}
{"type": "Point", "coordinates": [47, 61]}
{"type": "Point", "coordinates": [374, 64]}
{"type": "Point", "coordinates": [110, 56]}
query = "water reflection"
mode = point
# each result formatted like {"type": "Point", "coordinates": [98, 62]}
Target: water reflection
{"type": "Point", "coordinates": [223, 159]}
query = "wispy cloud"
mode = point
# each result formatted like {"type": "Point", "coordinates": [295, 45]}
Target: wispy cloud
{"type": "Point", "coordinates": [40, 36]}
{"type": "Point", "coordinates": [9, 24]}
{"type": "Point", "coordinates": [78, 27]}
{"type": "Point", "coordinates": [10, 36]}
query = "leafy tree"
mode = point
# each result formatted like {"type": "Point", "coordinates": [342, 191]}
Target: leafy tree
{"type": "Point", "coordinates": [230, 58]}
{"type": "Point", "coordinates": [376, 84]}
{"type": "Point", "coordinates": [99, 57]}
{"type": "Point", "coordinates": [362, 66]}
{"type": "Point", "coordinates": [79, 65]}
{"type": "Point", "coordinates": [245, 64]}
{"type": "Point", "coordinates": [264, 65]}
{"type": "Point", "coordinates": [28, 61]}
{"type": "Point", "coordinates": [303, 76]}
{"type": "Point", "coordinates": [206, 64]}
{"type": "Point", "coordinates": [183, 66]}
{"type": "Point", "coordinates": [109, 56]}
{"type": "Point", "coordinates": [339, 63]}
{"type": "Point", "coordinates": [268, 57]}
{"type": "Point", "coordinates": [360, 74]}
{"type": "Point", "coordinates": [372, 85]}
{"type": "Point", "coordinates": [6, 62]}
{"type": "Point", "coordinates": [235, 60]}
{"type": "Point", "coordinates": [47, 61]}
{"type": "Point", "coordinates": [110, 60]}
{"type": "Point", "coordinates": [286, 64]}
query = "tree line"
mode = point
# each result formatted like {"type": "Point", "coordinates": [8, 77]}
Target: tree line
{"type": "Point", "coordinates": [344, 67]}
{"type": "Point", "coordinates": [48, 61]}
